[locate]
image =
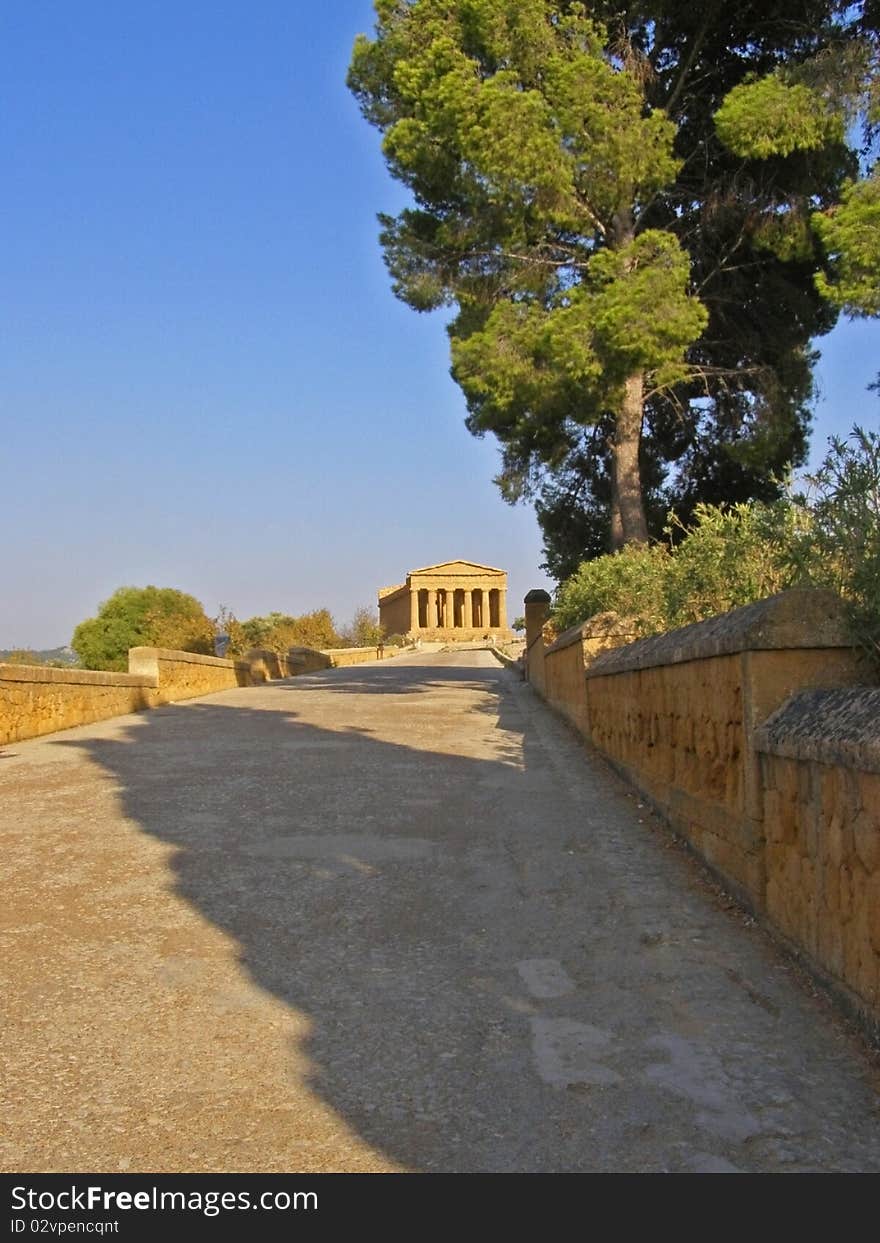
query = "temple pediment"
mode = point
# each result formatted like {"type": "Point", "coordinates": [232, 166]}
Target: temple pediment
{"type": "Point", "coordinates": [456, 567]}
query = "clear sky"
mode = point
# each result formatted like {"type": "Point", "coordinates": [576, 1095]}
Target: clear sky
{"type": "Point", "coordinates": [205, 381]}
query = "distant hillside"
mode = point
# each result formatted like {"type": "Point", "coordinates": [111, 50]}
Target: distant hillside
{"type": "Point", "coordinates": [48, 656]}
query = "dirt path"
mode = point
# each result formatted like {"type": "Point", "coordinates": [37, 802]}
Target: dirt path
{"type": "Point", "coordinates": [387, 918]}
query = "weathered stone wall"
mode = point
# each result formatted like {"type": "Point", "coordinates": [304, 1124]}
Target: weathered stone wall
{"type": "Point", "coordinates": [677, 733]}
{"type": "Point", "coordinates": [820, 767]}
{"type": "Point", "coordinates": [684, 734]}
{"type": "Point", "coordinates": [185, 675]}
{"type": "Point", "coordinates": [341, 657]}
{"type": "Point", "coordinates": [36, 700]}
{"type": "Point", "coordinates": [709, 722]}
{"type": "Point", "coordinates": [565, 660]}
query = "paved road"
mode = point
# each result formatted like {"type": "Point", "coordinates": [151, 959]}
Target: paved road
{"type": "Point", "coordinates": [388, 918]}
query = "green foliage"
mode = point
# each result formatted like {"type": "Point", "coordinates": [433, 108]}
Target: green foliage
{"type": "Point", "coordinates": [363, 630]}
{"type": "Point", "coordinates": [841, 548]}
{"type": "Point", "coordinates": [537, 137]}
{"type": "Point", "coordinates": [280, 631]}
{"type": "Point", "coordinates": [632, 313]}
{"type": "Point", "coordinates": [629, 582]}
{"type": "Point", "coordinates": [807, 108]}
{"type": "Point", "coordinates": [531, 151]}
{"type": "Point", "coordinates": [53, 657]}
{"type": "Point", "coordinates": [772, 117]}
{"type": "Point", "coordinates": [850, 233]}
{"type": "Point", "coordinates": [518, 624]}
{"type": "Point", "coordinates": [227, 623]}
{"type": "Point", "coordinates": [728, 557]}
{"type": "Point", "coordinates": [142, 617]}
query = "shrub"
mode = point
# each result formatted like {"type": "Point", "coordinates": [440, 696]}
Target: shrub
{"type": "Point", "coordinates": [278, 631]}
{"type": "Point", "coordinates": [142, 616]}
{"type": "Point", "coordinates": [727, 558]}
{"type": "Point", "coordinates": [629, 582]}
{"type": "Point", "coordinates": [364, 629]}
{"type": "Point", "coordinates": [841, 547]}
{"type": "Point", "coordinates": [731, 556]}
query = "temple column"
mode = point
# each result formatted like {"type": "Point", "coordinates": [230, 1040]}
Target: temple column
{"type": "Point", "coordinates": [449, 618]}
{"type": "Point", "coordinates": [502, 608]}
{"type": "Point", "coordinates": [414, 610]}
{"type": "Point", "coordinates": [484, 608]}
{"type": "Point", "coordinates": [467, 616]}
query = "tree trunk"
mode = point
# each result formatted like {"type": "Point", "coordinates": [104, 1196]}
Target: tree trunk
{"type": "Point", "coordinates": [628, 522]}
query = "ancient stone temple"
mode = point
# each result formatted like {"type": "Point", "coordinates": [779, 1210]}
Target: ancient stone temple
{"type": "Point", "coordinates": [456, 600]}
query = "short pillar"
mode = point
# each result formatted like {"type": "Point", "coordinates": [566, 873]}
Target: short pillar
{"type": "Point", "coordinates": [537, 604]}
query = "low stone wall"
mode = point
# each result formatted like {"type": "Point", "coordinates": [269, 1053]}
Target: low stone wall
{"type": "Point", "coordinates": [35, 700]}
{"type": "Point", "coordinates": [688, 718]}
{"type": "Point", "coordinates": [566, 659]}
{"type": "Point", "coordinates": [820, 768]}
{"type": "Point", "coordinates": [185, 675]}
{"type": "Point", "coordinates": [341, 657]}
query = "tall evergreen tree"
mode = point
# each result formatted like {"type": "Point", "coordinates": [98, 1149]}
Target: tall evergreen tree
{"type": "Point", "coordinates": [616, 264]}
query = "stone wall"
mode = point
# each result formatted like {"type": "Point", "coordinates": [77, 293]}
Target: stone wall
{"type": "Point", "coordinates": [36, 700]}
{"type": "Point", "coordinates": [709, 723]}
{"type": "Point", "coordinates": [820, 766]}
{"type": "Point", "coordinates": [342, 657]}
{"type": "Point", "coordinates": [567, 657]}
{"type": "Point", "coordinates": [185, 675]}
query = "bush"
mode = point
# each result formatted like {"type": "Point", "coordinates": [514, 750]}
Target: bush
{"type": "Point", "coordinates": [729, 557]}
{"type": "Point", "coordinates": [278, 631]}
{"type": "Point", "coordinates": [629, 582]}
{"type": "Point", "coordinates": [142, 617]}
{"type": "Point", "coordinates": [364, 629]}
{"type": "Point", "coordinates": [841, 547]}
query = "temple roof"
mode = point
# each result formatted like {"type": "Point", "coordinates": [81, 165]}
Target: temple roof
{"type": "Point", "coordinates": [458, 567]}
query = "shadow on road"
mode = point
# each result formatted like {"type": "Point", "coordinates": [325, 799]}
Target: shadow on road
{"type": "Point", "coordinates": [375, 887]}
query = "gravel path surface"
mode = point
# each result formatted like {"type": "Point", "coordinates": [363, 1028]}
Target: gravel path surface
{"type": "Point", "coordinates": [388, 918]}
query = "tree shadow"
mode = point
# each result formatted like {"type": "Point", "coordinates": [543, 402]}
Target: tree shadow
{"type": "Point", "coordinates": [408, 679]}
{"type": "Point", "coordinates": [484, 959]}
{"type": "Point", "coordinates": [372, 887]}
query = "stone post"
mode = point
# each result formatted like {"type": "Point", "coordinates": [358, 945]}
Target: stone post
{"type": "Point", "coordinates": [537, 604]}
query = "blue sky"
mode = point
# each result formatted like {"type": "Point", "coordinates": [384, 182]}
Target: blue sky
{"type": "Point", "coordinates": [205, 381]}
